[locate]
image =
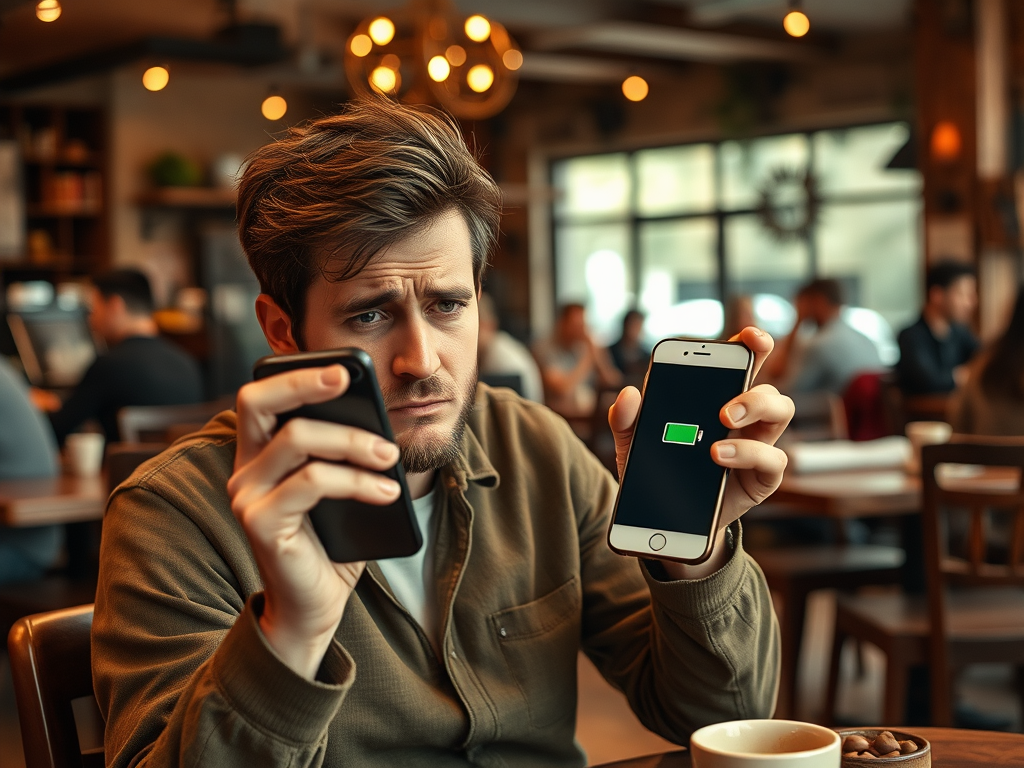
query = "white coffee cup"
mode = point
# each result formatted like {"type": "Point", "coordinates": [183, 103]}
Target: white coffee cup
{"type": "Point", "coordinates": [85, 453]}
{"type": "Point", "coordinates": [765, 744]}
{"type": "Point", "coordinates": [922, 433]}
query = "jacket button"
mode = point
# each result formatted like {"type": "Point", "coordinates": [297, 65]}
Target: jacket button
{"type": "Point", "coordinates": [502, 632]}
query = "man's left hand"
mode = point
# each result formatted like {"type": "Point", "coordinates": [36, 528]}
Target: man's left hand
{"type": "Point", "coordinates": [757, 417]}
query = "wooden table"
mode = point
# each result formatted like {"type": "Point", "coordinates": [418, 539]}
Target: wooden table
{"type": "Point", "coordinates": [843, 495]}
{"type": "Point", "coordinates": [64, 499]}
{"type": "Point", "coordinates": [951, 748]}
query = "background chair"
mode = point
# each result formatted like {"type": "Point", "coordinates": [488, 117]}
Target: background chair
{"type": "Point", "coordinates": [161, 423]}
{"type": "Point", "coordinates": [982, 620]}
{"type": "Point", "coordinates": [61, 725]}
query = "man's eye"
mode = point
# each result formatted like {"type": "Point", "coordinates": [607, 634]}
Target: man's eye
{"type": "Point", "coordinates": [368, 317]}
{"type": "Point", "coordinates": [449, 307]}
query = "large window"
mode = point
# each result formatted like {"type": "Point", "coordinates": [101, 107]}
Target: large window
{"type": "Point", "coordinates": [677, 231]}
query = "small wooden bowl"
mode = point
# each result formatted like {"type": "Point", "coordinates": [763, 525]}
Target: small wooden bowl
{"type": "Point", "coordinates": [922, 758]}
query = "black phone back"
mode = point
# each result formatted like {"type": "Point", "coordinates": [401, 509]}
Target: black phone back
{"type": "Point", "coordinates": [352, 530]}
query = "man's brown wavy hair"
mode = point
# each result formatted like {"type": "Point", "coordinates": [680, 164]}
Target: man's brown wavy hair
{"type": "Point", "coordinates": [335, 192]}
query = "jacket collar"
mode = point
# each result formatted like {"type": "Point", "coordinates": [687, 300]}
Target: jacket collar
{"type": "Point", "coordinates": [473, 465]}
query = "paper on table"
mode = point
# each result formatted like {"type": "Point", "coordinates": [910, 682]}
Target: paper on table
{"type": "Point", "coordinates": [884, 453]}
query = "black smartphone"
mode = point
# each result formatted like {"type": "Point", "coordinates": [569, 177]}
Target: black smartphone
{"type": "Point", "coordinates": [670, 497]}
{"type": "Point", "coordinates": [352, 530]}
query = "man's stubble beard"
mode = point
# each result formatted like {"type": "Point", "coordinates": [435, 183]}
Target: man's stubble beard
{"type": "Point", "coordinates": [434, 453]}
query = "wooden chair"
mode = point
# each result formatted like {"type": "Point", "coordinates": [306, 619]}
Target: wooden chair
{"type": "Point", "coordinates": [156, 423]}
{"type": "Point", "coordinates": [982, 619]}
{"type": "Point", "coordinates": [61, 725]}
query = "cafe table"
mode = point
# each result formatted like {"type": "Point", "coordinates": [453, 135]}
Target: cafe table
{"type": "Point", "coordinates": [47, 501]}
{"type": "Point", "coordinates": [951, 748]}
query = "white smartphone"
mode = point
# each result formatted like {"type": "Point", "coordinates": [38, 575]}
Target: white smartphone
{"type": "Point", "coordinates": [671, 492]}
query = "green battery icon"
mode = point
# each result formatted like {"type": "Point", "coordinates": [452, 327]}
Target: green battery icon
{"type": "Point", "coordinates": [683, 434]}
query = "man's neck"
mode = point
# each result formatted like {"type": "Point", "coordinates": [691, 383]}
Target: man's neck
{"type": "Point", "coordinates": [420, 483]}
{"type": "Point", "coordinates": [936, 321]}
{"type": "Point", "coordinates": [142, 326]}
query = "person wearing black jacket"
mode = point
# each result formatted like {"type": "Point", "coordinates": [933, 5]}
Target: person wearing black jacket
{"type": "Point", "coordinates": [139, 368]}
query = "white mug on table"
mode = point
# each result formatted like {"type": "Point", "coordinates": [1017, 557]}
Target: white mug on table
{"type": "Point", "coordinates": [765, 744]}
{"type": "Point", "coordinates": [84, 453]}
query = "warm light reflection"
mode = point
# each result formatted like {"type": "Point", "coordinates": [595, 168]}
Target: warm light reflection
{"type": "Point", "coordinates": [155, 78]}
{"type": "Point", "coordinates": [384, 79]}
{"type": "Point", "coordinates": [512, 59]}
{"type": "Point", "coordinates": [361, 45]}
{"type": "Point", "coordinates": [456, 55]}
{"type": "Point", "coordinates": [480, 78]}
{"type": "Point", "coordinates": [382, 30]}
{"type": "Point", "coordinates": [274, 107]}
{"type": "Point", "coordinates": [796, 23]}
{"type": "Point", "coordinates": [478, 29]}
{"type": "Point", "coordinates": [635, 88]}
{"type": "Point", "coordinates": [438, 69]}
{"type": "Point", "coordinates": [946, 142]}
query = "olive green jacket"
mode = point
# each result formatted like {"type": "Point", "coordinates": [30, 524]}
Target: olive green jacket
{"type": "Point", "coordinates": [525, 580]}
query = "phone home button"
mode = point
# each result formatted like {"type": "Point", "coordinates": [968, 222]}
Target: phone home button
{"type": "Point", "coordinates": [657, 541]}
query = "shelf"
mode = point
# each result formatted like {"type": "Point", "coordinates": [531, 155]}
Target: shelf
{"type": "Point", "coordinates": [57, 162]}
{"type": "Point", "coordinates": [188, 197]}
{"type": "Point", "coordinates": [65, 210]}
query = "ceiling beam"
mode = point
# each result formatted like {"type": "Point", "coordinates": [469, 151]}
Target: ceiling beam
{"type": "Point", "coordinates": [637, 39]}
{"type": "Point", "coordinates": [561, 68]}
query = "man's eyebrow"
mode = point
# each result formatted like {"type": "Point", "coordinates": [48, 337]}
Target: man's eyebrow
{"type": "Point", "coordinates": [377, 300]}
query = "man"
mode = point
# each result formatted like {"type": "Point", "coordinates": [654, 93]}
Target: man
{"type": "Point", "coordinates": [836, 352]}
{"type": "Point", "coordinates": [139, 368]}
{"type": "Point", "coordinates": [934, 351]}
{"type": "Point", "coordinates": [572, 365]}
{"type": "Point", "coordinates": [628, 353]}
{"type": "Point", "coordinates": [502, 354]}
{"type": "Point", "coordinates": [224, 636]}
{"type": "Point", "coordinates": [27, 450]}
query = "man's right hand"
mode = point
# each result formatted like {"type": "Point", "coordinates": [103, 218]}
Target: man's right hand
{"type": "Point", "coordinates": [277, 479]}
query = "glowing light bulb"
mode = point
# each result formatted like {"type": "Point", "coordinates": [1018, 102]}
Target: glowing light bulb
{"type": "Point", "coordinates": [438, 69]}
{"type": "Point", "coordinates": [478, 29]}
{"type": "Point", "coordinates": [155, 78]}
{"type": "Point", "coordinates": [480, 78]}
{"type": "Point", "coordinates": [635, 88]}
{"type": "Point", "coordinates": [48, 10]}
{"type": "Point", "coordinates": [391, 61]}
{"type": "Point", "coordinates": [384, 79]}
{"type": "Point", "coordinates": [382, 30]}
{"type": "Point", "coordinates": [512, 59]}
{"type": "Point", "coordinates": [274, 107]}
{"type": "Point", "coordinates": [456, 55]}
{"type": "Point", "coordinates": [361, 45]}
{"type": "Point", "coordinates": [796, 23]}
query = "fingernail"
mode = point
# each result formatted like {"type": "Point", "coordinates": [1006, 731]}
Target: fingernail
{"type": "Point", "coordinates": [331, 377]}
{"type": "Point", "coordinates": [736, 412]}
{"type": "Point", "coordinates": [758, 332]}
{"type": "Point", "coordinates": [385, 450]}
{"type": "Point", "coordinates": [390, 487]}
{"type": "Point", "coordinates": [726, 450]}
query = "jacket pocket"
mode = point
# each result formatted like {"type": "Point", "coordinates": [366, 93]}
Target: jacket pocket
{"type": "Point", "coordinates": [540, 641]}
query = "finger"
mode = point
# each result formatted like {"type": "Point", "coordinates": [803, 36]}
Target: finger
{"type": "Point", "coordinates": [761, 413]}
{"type": "Point", "coordinates": [622, 419]}
{"type": "Point", "coordinates": [278, 515]}
{"type": "Point", "coordinates": [757, 341]}
{"type": "Point", "coordinates": [757, 469]}
{"type": "Point", "coordinates": [259, 403]}
{"type": "Point", "coordinates": [301, 440]}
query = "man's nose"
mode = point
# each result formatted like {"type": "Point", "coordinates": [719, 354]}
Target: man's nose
{"type": "Point", "coordinates": [416, 356]}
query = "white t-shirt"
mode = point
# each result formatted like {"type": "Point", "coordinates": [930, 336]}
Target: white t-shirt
{"type": "Point", "coordinates": [412, 578]}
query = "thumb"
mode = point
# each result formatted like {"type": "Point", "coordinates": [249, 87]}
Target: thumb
{"type": "Point", "coordinates": [622, 418]}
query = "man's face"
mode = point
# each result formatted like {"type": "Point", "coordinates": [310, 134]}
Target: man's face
{"type": "Point", "coordinates": [102, 314]}
{"type": "Point", "coordinates": [413, 309]}
{"type": "Point", "coordinates": [574, 326]}
{"type": "Point", "coordinates": [960, 299]}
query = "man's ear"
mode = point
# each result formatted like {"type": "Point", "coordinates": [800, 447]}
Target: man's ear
{"type": "Point", "coordinates": [276, 325]}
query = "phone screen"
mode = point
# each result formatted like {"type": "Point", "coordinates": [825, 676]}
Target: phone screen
{"type": "Point", "coordinates": [671, 482]}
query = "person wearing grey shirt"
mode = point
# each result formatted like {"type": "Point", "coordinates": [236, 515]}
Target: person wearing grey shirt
{"type": "Point", "coordinates": [27, 450]}
{"type": "Point", "coordinates": [836, 352]}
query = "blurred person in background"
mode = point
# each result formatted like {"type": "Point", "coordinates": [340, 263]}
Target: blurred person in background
{"type": "Point", "coordinates": [833, 355]}
{"type": "Point", "coordinates": [992, 400]}
{"type": "Point", "coordinates": [27, 450]}
{"type": "Point", "coordinates": [935, 349]}
{"type": "Point", "coordinates": [629, 354]}
{"type": "Point", "coordinates": [502, 354]}
{"type": "Point", "coordinates": [138, 368]}
{"type": "Point", "coordinates": [572, 366]}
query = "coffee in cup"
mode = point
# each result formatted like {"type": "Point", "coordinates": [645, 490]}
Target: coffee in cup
{"type": "Point", "coordinates": [765, 744]}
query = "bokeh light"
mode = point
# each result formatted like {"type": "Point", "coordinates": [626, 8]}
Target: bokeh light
{"type": "Point", "coordinates": [274, 107]}
{"type": "Point", "coordinates": [635, 88]}
{"type": "Point", "coordinates": [382, 30]}
{"type": "Point", "coordinates": [361, 45]}
{"type": "Point", "coordinates": [480, 77]}
{"type": "Point", "coordinates": [155, 78]}
{"type": "Point", "coordinates": [796, 23]}
{"type": "Point", "coordinates": [478, 28]}
{"type": "Point", "coordinates": [438, 69]}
